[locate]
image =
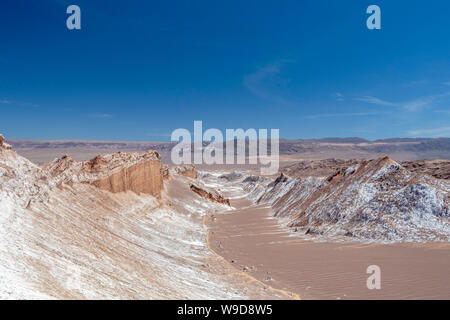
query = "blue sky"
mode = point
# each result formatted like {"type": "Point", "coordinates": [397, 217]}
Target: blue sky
{"type": "Point", "coordinates": [137, 70]}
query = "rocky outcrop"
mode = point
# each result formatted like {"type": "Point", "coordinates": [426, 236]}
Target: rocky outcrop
{"type": "Point", "coordinates": [3, 144]}
{"type": "Point", "coordinates": [187, 171]}
{"type": "Point", "coordinates": [210, 195]}
{"type": "Point", "coordinates": [118, 172]}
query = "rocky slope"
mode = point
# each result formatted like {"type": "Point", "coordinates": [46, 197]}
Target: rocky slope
{"type": "Point", "coordinates": [372, 199]}
{"type": "Point", "coordinates": [64, 235]}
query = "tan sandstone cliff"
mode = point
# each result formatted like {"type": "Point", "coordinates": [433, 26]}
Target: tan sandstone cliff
{"type": "Point", "coordinates": [117, 172]}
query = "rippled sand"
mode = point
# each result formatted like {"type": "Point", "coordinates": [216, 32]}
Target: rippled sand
{"type": "Point", "coordinates": [251, 240]}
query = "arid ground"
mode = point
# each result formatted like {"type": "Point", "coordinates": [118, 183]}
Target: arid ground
{"type": "Point", "coordinates": [251, 240]}
{"type": "Point", "coordinates": [126, 225]}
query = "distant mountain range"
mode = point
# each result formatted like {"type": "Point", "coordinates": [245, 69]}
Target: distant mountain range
{"type": "Point", "coordinates": [41, 151]}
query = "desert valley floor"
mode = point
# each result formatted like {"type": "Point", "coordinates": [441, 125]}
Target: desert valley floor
{"type": "Point", "coordinates": [251, 240]}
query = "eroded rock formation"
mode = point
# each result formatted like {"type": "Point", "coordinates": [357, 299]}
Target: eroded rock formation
{"type": "Point", "coordinates": [187, 171]}
{"type": "Point", "coordinates": [117, 172]}
{"type": "Point", "coordinates": [210, 195]}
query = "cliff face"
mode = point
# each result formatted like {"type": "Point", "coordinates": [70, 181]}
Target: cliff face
{"type": "Point", "coordinates": [118, 172]}
{"type": "Point", "coordinates": [144, 177]}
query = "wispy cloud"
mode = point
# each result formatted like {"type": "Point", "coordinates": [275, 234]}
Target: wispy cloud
{"type": "Point", "coordinates": [411, 105]}
{"type": "Point", "coordinates": [420, 103]}
{"type": "Point", "coordinates": [377, 101]}
{"type": "Point", "coordinates": [101, 115]}
{"type": "Point", "coordinates": [348, 114]}
{"type": "Point", "coordinates": [266, 82]}
{"type": "Point", "coordinates": [431, 133]}
{"type": "Point", "coordinates": [338, 96]}
{"type": "Point", "coordinates": [446, 83]}
{"type": "Point", "coordinates": [18, 103]}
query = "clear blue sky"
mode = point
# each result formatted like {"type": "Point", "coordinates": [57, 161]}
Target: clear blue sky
{"type": "Point", "coordinates": [137, 70]}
